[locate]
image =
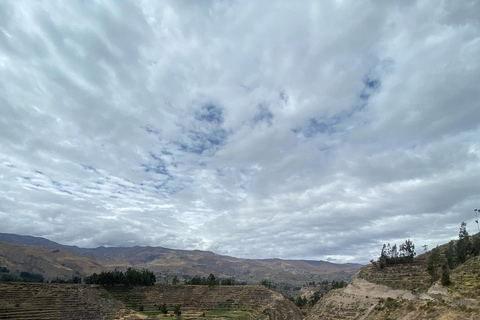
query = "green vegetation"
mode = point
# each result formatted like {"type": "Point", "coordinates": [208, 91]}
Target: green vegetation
{"type": "Point", "coordinates": [210, 281]}
{"type": "Point", "coordinates": [21, 277]}
{"type": "Point", "coordinates": [131, 277]}
{"type": "Point", "coordinates": [433, 264]}
{"type": "Point", "coordinates": [301, 302]}
{"type": "Point", "coordinates": [176, 310]}
{"type": "Point", "coordinates": [163, 308]}
{"type": "Point", "coordinates": [338, 284]}
{"type": "Point", "coordinates": [74, 279]}
{"type": "Point", "coordinates": [445, 275]}
{"type": "Point", "coordinates": [454, 254]}
{"type": "Point", "coordinates": [391, 255]}
{"type": "Point", "coordinates": [315, 298]}
{"type": "Point", "coordinates": [266, 283]}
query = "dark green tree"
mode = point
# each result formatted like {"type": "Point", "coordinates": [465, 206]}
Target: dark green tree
{"type": "Point", "coordinates": [266, 283]}
{"type": "Point", "coordinates": [433, 264]}
{"type": "Point", "coordinates": [445, 275]}
{"type": "Point", "coordinates": [227, 282]}
{"type": "Point", "coordinates": [175, 281]}
{"type": "Point", "coordinates": [464, 246]}
{"type": "Point", "coordinates": [211, 280]}
{"type": "Point", "coordinates": [315, 298]}
{"type": "Point", "coordinates": [163, 308]}
{"type": "Point", "coordinates": [450, 254]}
{"type": "Point", "coordinates": [476, 246]}
{"type": "Point", "coordinates": [177, 311]}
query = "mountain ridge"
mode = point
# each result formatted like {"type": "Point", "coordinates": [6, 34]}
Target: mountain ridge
{"type": "Point", "coordinates": [167, 263]}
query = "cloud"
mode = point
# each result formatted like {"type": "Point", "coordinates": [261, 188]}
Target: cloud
{"type": "Point", "coordinates": [256, 129]}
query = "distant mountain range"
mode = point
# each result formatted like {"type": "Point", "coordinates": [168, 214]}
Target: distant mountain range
{"type": "Point", "coordinates": [54, 259]}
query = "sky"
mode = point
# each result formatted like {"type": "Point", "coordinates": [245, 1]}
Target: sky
{"type": "Point", "coordinates": [257, 129]}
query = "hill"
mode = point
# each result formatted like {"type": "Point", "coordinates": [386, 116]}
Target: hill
{"type": "Point", "coordinates": [406, 291]}
{"type": "Point", "coordinates": [51, 263]}
{"type": "Point", "coordinates": [167, 263]}
{"type": "Point", "coordinates": [59, 301]}
{"type": "Point", "coordinates": [91, 302]}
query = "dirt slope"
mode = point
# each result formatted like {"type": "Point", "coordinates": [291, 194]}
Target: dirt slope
{"type": "Point", "coordinates": [51, 263]}
{"type": "Point", "coordinates": [404, 292]}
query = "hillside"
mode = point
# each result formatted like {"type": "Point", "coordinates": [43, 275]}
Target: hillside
{"type": "Point", "coordinates": [242, 302]}
{"type": "Point", "coordinates": [167, 263]}
{"type": "Point", "coordinates": [50, 263]}
{"type": "Point", "coordinates": [69, 301]}
{"type": "Point", "coordinates": [59, 301]}
{"type": "Point", "coordinates": [405, 291]}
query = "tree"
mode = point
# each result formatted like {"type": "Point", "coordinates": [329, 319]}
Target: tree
{"type": "Point", "coordinates": [175, 281]}
{"type": "Point", "coordinates": [476, 246]}
{"type": "Point", "coordinates": [301, 301]}
{"type": "Point", "coordinates": [464, 246]}
{"type": "Point", "coordinates": [227, 282]}
{"type": "Point", "coordinates": [315, 298]}
{"type": "Point", "coordinates": [163, 308]}
{"type": "Point", "coordinates": [450, 254]}
{"type": "Point", "coordinates": [407, 251]}
{"type": "Point", "coordinates": [211, 281]}
{"type": "Point", "coordinates": [266, 283]}
{"type": "Point", "coordinates": [432, 264]}
{"type": "Point", "coordinates": [445, 275]}
{"type": "Point", "coordinates": [177, 311]}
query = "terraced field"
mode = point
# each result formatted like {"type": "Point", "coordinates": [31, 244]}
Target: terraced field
{"type": "Point", "coordinates": [35, 301]}
{"type": "Point", "coordinates": [243, 302]}
{"type": "Point", "coordinates": [405, 276]}
{"type": "Point", "coordinates": [57, 301]}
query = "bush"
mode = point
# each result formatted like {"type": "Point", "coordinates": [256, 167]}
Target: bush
{"type": "Point", "coordinates": [176, 310]}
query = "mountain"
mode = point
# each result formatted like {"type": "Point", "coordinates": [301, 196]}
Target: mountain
{"type": "Point", "coordinates": [405, 291]}
{"type": "Point", "coordinates": [167, 263]}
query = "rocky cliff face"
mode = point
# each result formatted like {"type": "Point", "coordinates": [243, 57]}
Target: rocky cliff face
{"type": "Point", "coordinates": [401, 292]}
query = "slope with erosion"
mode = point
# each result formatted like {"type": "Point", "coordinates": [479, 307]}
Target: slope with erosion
{"type": "Point", "coordinates": [405, 291]}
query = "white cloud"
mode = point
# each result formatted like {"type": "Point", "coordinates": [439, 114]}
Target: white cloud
{"type": "Point", "coordinates": [258, 129]}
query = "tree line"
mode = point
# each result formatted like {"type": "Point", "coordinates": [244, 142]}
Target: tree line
{"type": "Point", "coordinates": [23, 276]}
{"type": "Point", "coordinates": [210, 281]}
{"type": "Point", "coordinates": [131, 277]}
{"type": "Point", "coordinates": [404, 253]}
{"type": "Point", "coordinates": [456, 253]}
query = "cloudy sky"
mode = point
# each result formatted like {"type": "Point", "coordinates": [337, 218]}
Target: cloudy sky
{"type": "Point", "coordinates": [257, 129]}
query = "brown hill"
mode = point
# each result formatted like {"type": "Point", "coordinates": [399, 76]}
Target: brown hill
{"type": "Point", "coordinates": [404, 291]}
{"type": "Point", "coordinates": [167, 263]}
{"type": "Point", "coordinates": [50, 263]}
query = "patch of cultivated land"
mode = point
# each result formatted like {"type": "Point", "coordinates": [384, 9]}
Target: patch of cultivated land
{"type": "Point", "coordinates": [58, 301]}
{"type": "Point", "coordinates": [72, 301]}
{"type": "Point", "coordinates": [232, 302]}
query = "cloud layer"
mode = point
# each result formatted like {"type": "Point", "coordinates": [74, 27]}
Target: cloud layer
{"type": "Point", "coordinates": [254, 129]}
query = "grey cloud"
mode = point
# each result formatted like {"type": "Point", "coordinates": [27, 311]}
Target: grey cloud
{"type": "Point", "coordinates": [258, 129]}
